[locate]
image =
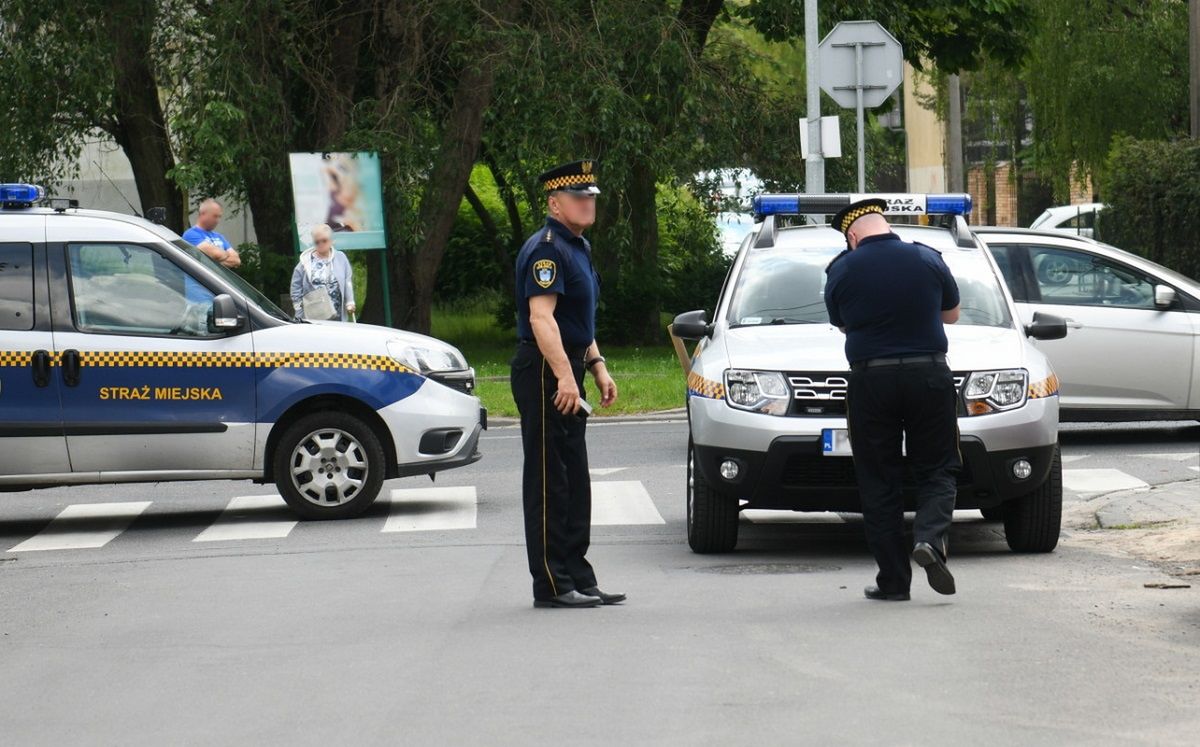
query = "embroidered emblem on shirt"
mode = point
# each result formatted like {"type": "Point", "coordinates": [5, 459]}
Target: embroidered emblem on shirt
{"type": "Point", "coordinates": [544, 272]}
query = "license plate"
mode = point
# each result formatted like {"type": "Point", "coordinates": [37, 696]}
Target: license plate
{"type": "Point", "coordinates": [835, 442]}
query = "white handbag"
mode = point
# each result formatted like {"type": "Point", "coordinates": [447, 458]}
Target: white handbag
{"type": "Point", "coordinates": [317, 303]}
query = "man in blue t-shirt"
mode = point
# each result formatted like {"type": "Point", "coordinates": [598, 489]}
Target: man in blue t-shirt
{"type": "Point", "coordinates": [892, 298]}
{"type": "Point", "coordinates": [556, 294]}
{"type": "Point", "coordinates": [204, 235]}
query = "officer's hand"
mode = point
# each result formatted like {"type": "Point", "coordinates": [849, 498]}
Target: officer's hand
{"type": "Point", "coordinates": [606, 385]}
{"type": "Point", "coordinates": [566, 399]}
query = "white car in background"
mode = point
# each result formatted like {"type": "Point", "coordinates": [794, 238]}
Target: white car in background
{"type": "Point", "coordinates": [1133, 352]}
{"type": "Point", "coordinates": [1076, 219]}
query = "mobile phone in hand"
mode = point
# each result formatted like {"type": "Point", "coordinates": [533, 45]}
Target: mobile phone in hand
{"type": "Point", "coordinates": [584, 409]}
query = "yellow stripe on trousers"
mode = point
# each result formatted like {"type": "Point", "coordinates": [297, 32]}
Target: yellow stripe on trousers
{"type": "Point", "coordinates": [545, 557]}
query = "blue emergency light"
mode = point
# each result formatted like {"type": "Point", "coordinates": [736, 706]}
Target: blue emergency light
{"type": "Point", "coordinates": [897, 204]}
{"type": "Point", "coordinates": [21, 195]}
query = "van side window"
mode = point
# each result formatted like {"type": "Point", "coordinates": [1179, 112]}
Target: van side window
{"type": "Point", "coordinates": [131, 289]}
{"type": "Point", "coordinates": [16, 287]}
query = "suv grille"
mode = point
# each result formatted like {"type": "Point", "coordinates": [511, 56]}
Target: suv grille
{"type": "Point", "coordinates": [823, 394]}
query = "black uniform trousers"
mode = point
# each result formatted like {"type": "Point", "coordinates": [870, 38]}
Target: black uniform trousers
{"type": "Point", "coordinates": [917, 402]}
{"type": "Point", "coordinates": [556, 484]}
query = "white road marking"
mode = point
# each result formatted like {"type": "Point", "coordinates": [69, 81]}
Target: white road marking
{"type": "Point", "coordinates": [251, 517]}
{"type": "Point", "coordinates": [432, 509]}
{"type": "Point", "coordinates": [603, 471]}
{"type": "Point", "coordinates": [1100, 480]}
{"type": "Point", "coordinates": [1184, 456]}
{"type": "Point", "coordinates": [769, 516]}
{"type": "Point", "coordinates": [1068, 458]}
{"type": "Point", "coordinates": [623, 502]}
{"type": "Point", "coordinates": [84, 525]}
{"type": "Point", "coordinates": [1195, 468]}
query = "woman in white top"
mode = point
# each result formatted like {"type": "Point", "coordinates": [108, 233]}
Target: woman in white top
{"type": "Point", "coordinates": [323, 270]}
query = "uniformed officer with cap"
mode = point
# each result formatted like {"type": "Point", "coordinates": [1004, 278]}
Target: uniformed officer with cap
{"type": "Point", "coordinates": [557, 290]}
{"type": "Point", "coordinates": [891, 298]}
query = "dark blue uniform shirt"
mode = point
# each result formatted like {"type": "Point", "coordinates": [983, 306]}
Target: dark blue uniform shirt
{"type": "Point", "coordinates": [554, 260]}
{"type": "Point", "coordinates": [889, 295]}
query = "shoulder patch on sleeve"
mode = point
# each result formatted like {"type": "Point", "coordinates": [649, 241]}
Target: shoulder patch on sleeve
{"type": "Point", "coordinates": [544, 272]}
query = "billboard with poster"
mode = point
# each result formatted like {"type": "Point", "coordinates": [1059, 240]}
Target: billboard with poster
{"type": "Point", "coordinates": [345, 191]}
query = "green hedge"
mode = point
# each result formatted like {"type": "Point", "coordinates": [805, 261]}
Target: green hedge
{"type": "Point", "coordinates": [1152, 188]}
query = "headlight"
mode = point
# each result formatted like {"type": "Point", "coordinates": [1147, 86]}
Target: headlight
{"type": "Point", "coordinates": [426, 359]}
{"type": "Point", "coordinates": [995, 391]}
{"type": "Point", "coordinates": [757, 391]}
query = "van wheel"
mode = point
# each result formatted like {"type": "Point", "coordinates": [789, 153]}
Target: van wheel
{"type": "Point", "coordinates": [1032, 522]}
{"type": "Point", "coordinates": [328, 465]}
{"type": "Point", "coordinates": [712, 517]}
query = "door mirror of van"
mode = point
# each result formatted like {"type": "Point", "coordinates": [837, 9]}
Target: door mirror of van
{"type": "Point", "coordinates": [692, 325]}
{"type": "Point", "coordinates": [1164, 296]}
{"type": "Point", "coordinates": [1046, 327]}
{"type": "Point", "coordinates": [225, 317]}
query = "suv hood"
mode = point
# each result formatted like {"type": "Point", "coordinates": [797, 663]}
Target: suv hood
{"type": "Point", "coordinates": [821, 347]}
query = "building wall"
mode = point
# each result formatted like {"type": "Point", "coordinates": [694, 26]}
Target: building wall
{"type": "Point", "coordinates": [996, 199]}
{"type": "Point", "coordinates": [925, 138]}
{"type": "Point", "coordinates": [95, 191]}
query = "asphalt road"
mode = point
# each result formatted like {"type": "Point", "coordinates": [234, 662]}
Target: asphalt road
{"type": "Point", "coordinates": [203, 613]}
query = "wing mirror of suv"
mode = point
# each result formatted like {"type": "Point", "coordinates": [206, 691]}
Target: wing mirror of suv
{"type": "Point", "coordinates": [692, 325]}
{"type": "Point", "coordinates": [1046, 327]}
{"type": "Point", "coordinates": [1164, 296]}
{"type": "Point", "coordinates": [225, 317]}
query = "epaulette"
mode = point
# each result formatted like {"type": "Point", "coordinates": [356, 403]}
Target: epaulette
{"type": "Point", "coordinates": [833, 261]}
{"type": "Point", "coordinates": [548, 238]}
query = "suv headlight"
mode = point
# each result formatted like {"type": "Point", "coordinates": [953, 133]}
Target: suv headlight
{"type": "Point", "coordinates": [426, 359]}
{"type": "Point", "coordinates": [757, 391]}
{"type": "Point", "coordinates": [995, 391]}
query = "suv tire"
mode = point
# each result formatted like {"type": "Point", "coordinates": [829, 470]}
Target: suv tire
{"type": "Point", "coordinates": [1032, 522]}
{"type": "Point", "coordinates": [712, 516]}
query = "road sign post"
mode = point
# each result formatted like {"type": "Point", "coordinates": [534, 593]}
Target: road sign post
{"type": "Point", "coordinates": [861, 64]}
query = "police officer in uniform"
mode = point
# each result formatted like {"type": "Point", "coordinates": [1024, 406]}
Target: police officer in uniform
{"type": "Point", "coordinates": [891, 298]}
{"type": "Point", "coordinates": [557, 290]}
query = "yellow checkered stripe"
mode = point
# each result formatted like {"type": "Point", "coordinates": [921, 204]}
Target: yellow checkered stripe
{"type": "Point", "coordinates": [566, 181]}
{"type": "Point", "coordinates": [1047, 387]}
{"type": "Point", "coordinates": [16, 357]}
{"type": "Point", "coordinates": [698, 386]}
{"type": "Point", "coordinates": [857, 213]}
{"type": "Point", "coordinates": [184, 359]}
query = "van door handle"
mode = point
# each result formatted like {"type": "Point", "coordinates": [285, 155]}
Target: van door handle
{"type": "Point", "coordinates": [40, 364]}
{"type": "Point", "coordinates": [70, 367]}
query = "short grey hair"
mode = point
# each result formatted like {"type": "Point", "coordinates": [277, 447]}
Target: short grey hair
{"type": "Point", "coordinates": [206, 204]}
{"type": "Point", "coordinates": [321, 231]}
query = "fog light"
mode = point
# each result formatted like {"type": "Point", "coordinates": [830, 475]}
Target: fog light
{"type": "Point", "coordinates": [729, 469]}
{"type": "Point", "coordinates": [1022, 469]}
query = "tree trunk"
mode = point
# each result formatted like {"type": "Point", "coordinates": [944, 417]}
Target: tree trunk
{"type": "Point", "coordinates": [141, 128]}
{"type": "Point", "coordinates": [501, 252]}
{"type": "Point", "coordinates": [452, 171]}
{"type": "Point", "coordinates": [643, 224]}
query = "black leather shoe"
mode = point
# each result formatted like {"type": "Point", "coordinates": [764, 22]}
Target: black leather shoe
{"type": "Point", "coordinates": [594, 591]}
{"type": "Point", "coordinates": [940, 578]}
{"type": "Point", "coordinates": [569, 599]}
{"type": "Point", "coordinates": [874, 592]}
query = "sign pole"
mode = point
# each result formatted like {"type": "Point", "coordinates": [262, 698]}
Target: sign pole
{"type": "Point", "coordinates": [858, 90]}
{"type": "Point", "coordinates": [814, 165]}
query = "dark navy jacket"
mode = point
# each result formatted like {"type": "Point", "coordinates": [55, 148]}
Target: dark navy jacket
{"type": "Point", "coordinates": [554, 260]}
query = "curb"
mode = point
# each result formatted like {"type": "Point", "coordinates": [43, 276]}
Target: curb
{"type": "Point", "coordinates": [657, 416]}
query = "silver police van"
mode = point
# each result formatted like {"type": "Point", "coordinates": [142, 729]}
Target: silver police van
{"type": "Point", "coordinates": [766, 397]}
{"type": "Point", "coordinates": [127, 355]}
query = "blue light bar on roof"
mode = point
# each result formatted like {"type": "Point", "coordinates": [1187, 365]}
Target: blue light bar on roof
{"type": "Point", "coordinates": [898, 204]}
{"type": "Point", "coordinates": [23, 194]}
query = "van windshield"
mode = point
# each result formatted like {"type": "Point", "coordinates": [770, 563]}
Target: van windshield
{"type": "Point", "coordinates": [254, 295]}
{"type": "Point", "coordinates": [787, 286]}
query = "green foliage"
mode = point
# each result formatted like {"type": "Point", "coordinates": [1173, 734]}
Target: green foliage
{"type": "Point", "coordinates": [1153, 196]}
{"type": "Point", "coordinates": [1100, 69]}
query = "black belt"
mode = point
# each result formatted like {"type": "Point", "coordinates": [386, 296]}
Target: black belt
{"type": "Point", "coordinates": [575, 354]}
{"type": "Point", "coordinates": [902, 361]}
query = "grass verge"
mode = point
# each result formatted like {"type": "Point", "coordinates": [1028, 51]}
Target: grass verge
{"type": "Point", "coordinates": [648, 378]}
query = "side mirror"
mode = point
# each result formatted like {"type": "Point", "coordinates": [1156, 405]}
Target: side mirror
{"type": "Point", "coordinates": [1046, 327]}
{"type": "Point", "coordinates": [225, 315]}
{"type": "Point", "coordinates": [1164, 296]}
{"type": "Point", "coordinates": [692, 325]}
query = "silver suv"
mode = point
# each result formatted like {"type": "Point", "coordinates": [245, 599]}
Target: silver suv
{"type": "Point", "coordinates": [767, 387]}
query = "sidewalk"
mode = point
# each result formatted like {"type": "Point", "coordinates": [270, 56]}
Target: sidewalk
{"type": "Point", "coordinates": [1160, 525]}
